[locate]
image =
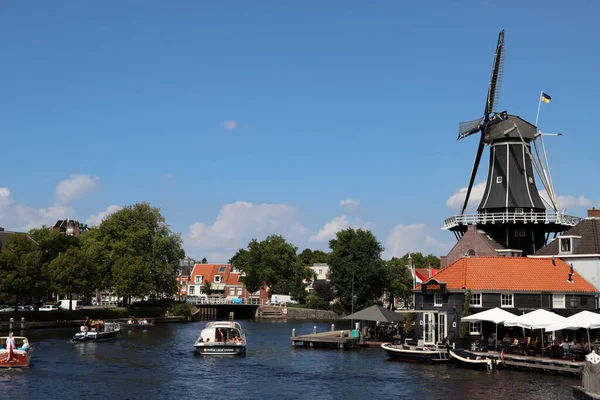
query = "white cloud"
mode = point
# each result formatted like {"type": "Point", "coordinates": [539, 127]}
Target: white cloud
{"type": "Point", "coordinates": [229, 125]}
{"type": "Point", "coordinates": [350, 204]}
{"type": "Point", "coordinates": [569, 201]}
{"type": "Point", "coordinates": [96, 219]}
{"type": "Point", "coordinates": [237, 224]}
{"type": "Point", "coordinates": [335, 225]}
{"type": "Point", "coordinates": [413, 238]}
{"type": "Point", "coordinates": [5, 201]}
{"type": "Point", "coordinates": [75, 187]}
{"type": "Point", "coordinates": [456, 201]}
{"type": "Point", "coordinates": [31, 217]}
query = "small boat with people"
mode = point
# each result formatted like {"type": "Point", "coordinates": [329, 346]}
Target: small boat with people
{"type": "Point", "coordinates": [136, 324]}
{"type": "Point", "coordinates": [97, 331]}
{"type": "Point", "coordinates": [467, 359]}
{"type": "Point", "coordinates": [15, 351]}
{"type": "Point", "coordinates": [416, 352]}
{"type": "Point", "coordinates": [221, 338]}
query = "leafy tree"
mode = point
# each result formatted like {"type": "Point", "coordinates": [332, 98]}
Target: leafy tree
{"type": "Point", "coordinates": [275, 262]}
{"type": "Point", "coordinates": [421, 261]}
{"type": "Point", "coordinates": [305, 257]}
{"type": "Point", "coordinates": [398, 280]}
{"type": "Point", "coordinates": [308, 257]}
{"type": "Point", "coordinates": [135, 243]}
{"type": "Point", "coordinates": [356, 257]}
{"type": "Point", "coordinates": [72, 272]}
{"type": "Point", "coordinates": [20, 266]}
{"type": "Point", "coordinates": [316, 302]}
{"type": "Point", "coordinates": [207, 288]}
{"type": "Point", "coordinates": [324, 290]}
{"type": "Point", "coordinates": [204, 261]}
{"type": "Point", "coordinates": [464, 326]}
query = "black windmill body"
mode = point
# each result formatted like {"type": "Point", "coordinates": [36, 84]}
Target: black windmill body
{"type": "Point", "coordinates": [511, 210]}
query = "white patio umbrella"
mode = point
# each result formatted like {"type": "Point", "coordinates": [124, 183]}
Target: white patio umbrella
{"type": "Point", "coordinates": [583, 319]}
{"type": "Point", "coordinates": [495, 315]}
{"type": "Point", "coordinates": [538, 319]}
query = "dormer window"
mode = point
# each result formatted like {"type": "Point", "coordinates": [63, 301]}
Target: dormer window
{"type": "Point", "coordinates": [217, 278]}
{"type": "Point", "coordinates": [565, 245]}
{"type": "Point", "coordinates": [198, 279]}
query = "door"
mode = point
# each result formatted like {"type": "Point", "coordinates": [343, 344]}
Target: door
{"type": "Point", "coordinates": [442, 326]}
{"type": "Point", "coordinates": [428, 328]}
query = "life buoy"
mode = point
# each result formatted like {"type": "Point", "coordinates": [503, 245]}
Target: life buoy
{"type": "Point", "coordinates": [285, 311]}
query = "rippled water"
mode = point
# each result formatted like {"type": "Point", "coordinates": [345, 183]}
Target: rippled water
{"type": "Point", "coordinates": [161, 364]}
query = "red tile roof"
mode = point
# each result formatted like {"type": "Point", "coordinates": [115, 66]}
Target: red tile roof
{"type": "Point", "coordinates": [512, 274]}
{"type": "Point", "coordinates": [426, 273]}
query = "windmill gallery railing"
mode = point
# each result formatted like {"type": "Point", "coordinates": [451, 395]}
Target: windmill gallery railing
{"type": "Point", "coordinates": [510, 217]}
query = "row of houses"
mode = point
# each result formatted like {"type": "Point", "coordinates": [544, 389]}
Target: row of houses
{"type": "Point", "coordinates": [563, 277]}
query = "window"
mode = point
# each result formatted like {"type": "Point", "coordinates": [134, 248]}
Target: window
{"type": "Point", "coordinates": [320, 271]}
{"type": "Point", "coordinates": [232, 291]}
{"type": "Point", "coordinates": [217, 278]}
{"type": "Point", "coordinates": [558, 301]}
{"type": "Point", "coordinates": [475, 300]}
{"type": "Point", "coordinates": [583, 301]}
{"type": "Point", "coordinates": [498, 179]}
{"type": "Point", "coordinates": [565, 245]}
{"type": "Point", "coordinates": [474, 328]}
{"type": "Point", "coordinates": [471, 253]}
{"type": "Point", "coordinates": [518, 210]}
{"type": "Point", "coordinates": [519, 233]}
{"type": "Point", "coordinates": [438, 300]}
{"type": "Point", "coordinates": [192, 289]}
{"type": "Point", "coordinates": [507, 300]}
{"type": "Point", "coordinates": [198, 279]}
{"type": "Point", "coordinates": [239, 291]}
{"type": "Point", "coordinates": [530, 179]}
{"type": "Point", "coordinates": [222, 268]}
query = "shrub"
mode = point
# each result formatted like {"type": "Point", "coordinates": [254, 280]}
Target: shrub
{"type": "Point", "coordinates": [316, 302]}
{"type": "Point", "coordinates": [180, 310]}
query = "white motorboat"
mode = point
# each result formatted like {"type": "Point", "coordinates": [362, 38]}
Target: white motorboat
{"type": "Point", "coordinates": [221, 338]}
{"type": "Point", "coordinates": [106, 331]}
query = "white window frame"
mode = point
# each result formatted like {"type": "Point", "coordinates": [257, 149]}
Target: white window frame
{"type": "Point", "coordinates": [504, 297]}
{"type": "Point", "coordinates": [475, 328]}
{"type": "Point", "coordinates": [498, 179]}
{"type": "Point", "coordinates": [232, 291]}
{"type": "Point", "coordinates": [559, 301]}
{"type": "Point", "coordinates": [472, 303]}
{"type": "Point", "coordinates": [438, 300]}
{"type": "Point", "coordinates": [238, 291]}
{"type": "Point", "coordinates": [217, 278]}
{"type": "Point", "coordinates": [192, 289]}
{"type": "Point", "coordinates": [566, 240]}
{"type": "Point", "coordinates": [198, 279]}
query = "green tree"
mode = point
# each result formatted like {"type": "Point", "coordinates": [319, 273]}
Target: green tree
{"type": "Point", "coordinates": [135, 243]}
{"type": "Point", "coordinates": [308, 257]}
{"type": "Point", "coordinates": [204, 261]}
{"type": "Point", "coordinates": [72, 273]}
{"type": "Point", "coordinates": [207, 288]}
{"type": "Point", "coordinates": [421, 261]}
{"type": "Point", "coordinates": [316, 302]}
{"type": "Point", "coordinates": [356, 258]}
{"type": "Point", "coordinates": [464, 326]}
{"type": "Point", "coordinates": [249, 263]}
{"type": "Point", "coordinates": [398, 280]}
{"type": "Point", "coordinates": [20, 266]}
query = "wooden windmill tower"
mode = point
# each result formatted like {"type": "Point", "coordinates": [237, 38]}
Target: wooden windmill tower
{"type": "Point", "coordinates": [511, 211]}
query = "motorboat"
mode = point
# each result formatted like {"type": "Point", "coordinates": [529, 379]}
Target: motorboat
{"type": "Point", "coordinates": [221, 338]}
{"type": "Point", "coordinates": [409, 351]}
{"type": "Point", "coordinates": [139, 324]}
{"type": "Point", "coordinates": [21, 354]}
{"type": "Point", "coordinates": [467, 359]}
{"type": "Point", "coordinates": [98, 333]}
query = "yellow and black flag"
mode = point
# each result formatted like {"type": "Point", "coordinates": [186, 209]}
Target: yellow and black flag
{"type": "Point", "coordinates": [546, 98]}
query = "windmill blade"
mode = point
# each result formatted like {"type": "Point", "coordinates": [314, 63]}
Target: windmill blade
{"type": "Point", "coordinates": [468, 128]}
{"type": "Point", "coordinates": [473, 173]}
{"type": "Point", "coordinates": [493, 96]}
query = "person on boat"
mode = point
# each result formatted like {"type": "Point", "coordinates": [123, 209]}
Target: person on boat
{"type": "Point", "coordinates": [25, 346]}
{"type": "Point", "coordinates": [129, 321]}
{"type": "Point", "coordinates": [10, 347]}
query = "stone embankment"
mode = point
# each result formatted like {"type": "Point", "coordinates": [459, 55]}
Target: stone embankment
{"type": "Point", "coordinates": [277, 312]}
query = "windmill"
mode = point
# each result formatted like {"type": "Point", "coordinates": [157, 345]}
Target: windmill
{"type": "Point", "coordinates": [511, 210]}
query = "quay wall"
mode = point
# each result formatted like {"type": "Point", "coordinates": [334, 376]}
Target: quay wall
{"type": "Point", "coordinates": [28, 325]}
{"type": "Point", "coordinates": [277, 312]}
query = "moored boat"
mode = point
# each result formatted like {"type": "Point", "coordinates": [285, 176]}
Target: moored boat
{"type": "Point", "coordinates": [221, 338]}
{"type": "Point", "coordinates": [99, 333]}
{"type": "Point", "coordinates": [139, 324]}
{"type": "Point", "coordinates": [471, 360]}
{"type": "Point", "coordinates": [21, 355]}
{"type": "Point", "coordinates": [416, 353]}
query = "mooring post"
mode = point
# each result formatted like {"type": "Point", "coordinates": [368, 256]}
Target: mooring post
{"type": "Point", "coordinates": [341, 334]}
{"type": "Point", "coordinates": [332, 327]}
{"type": "Point", "coordinates": [11, 324]}
{"type": "Point", "coordinates": [314, 329]}
{"type": "Point", "coordinates": [293, 336]}
{"type": "Point", "coordinates": [22, 322]}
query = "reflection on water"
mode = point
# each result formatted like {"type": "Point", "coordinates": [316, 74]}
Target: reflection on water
{"type": "Point", "coordinates": [160, 364]}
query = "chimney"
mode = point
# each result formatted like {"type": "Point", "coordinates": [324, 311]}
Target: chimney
{"type": "Point", "coordinates": [593, 213]}
{"type": "Point", "coordinates": [553, 261]}
{"type": "Point", "coordinates": [570, 277]}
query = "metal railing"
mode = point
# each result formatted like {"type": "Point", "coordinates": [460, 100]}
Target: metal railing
{"type": "Point", "coordinates": [222, 300]}
{"type": "Point", "coordinates": [511, 217]}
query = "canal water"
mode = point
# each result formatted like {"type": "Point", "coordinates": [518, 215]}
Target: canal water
{"type": "Point", "coordinates": [160, 364]}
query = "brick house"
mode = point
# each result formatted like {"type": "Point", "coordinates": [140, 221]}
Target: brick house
{"type": "Point", "coordinates": [70, 227]}
{"type": "Point", "coordinates": [517, 284]}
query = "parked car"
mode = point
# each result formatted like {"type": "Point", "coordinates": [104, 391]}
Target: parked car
{"type": "Point", "coordinates": [25, 308]}
{"type": "Point", "coordinates": [49, 307]}
{"type": "Point", "coordinates": [5, 308]}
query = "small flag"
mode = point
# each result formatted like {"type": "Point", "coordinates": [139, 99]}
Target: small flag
{"type": "Point", "coordinates": [546, 98]}
{"type": "Point", "coordinates": [502, 355]}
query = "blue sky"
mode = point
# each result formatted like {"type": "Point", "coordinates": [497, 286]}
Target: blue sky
{"type": "Point", "coordinates": [241, 119]}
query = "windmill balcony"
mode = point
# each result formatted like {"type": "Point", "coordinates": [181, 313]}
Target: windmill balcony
{"type": "Point", "coordinates": [546, 218]}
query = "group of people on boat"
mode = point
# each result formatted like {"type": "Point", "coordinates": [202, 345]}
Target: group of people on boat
{"type": "Point", "coordinates": [88, 325]}
{"type": "Point", "coordinates": [11, 345]}
{"type": "Point", "coordinates": [143, 321]}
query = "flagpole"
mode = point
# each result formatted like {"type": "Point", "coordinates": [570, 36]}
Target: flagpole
{"type": "Point", "coordinates": [538, 112]}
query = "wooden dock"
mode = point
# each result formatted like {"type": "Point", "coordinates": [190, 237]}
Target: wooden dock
{"type": "Point", "coordinates": [542, 364]}
{"type": "Point", "coordinates": [332, 339]}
